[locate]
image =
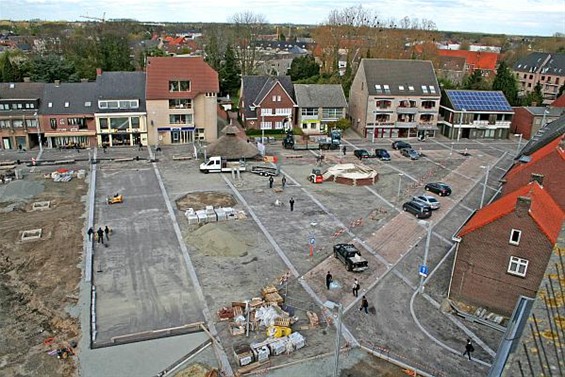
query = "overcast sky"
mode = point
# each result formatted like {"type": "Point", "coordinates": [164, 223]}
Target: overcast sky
{"type": "Point", "coordinates": [517, 17]}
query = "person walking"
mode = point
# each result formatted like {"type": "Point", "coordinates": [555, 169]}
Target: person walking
{"type": "Point", "coordinates": [356, 287]}
{"type": "Point", "coordinates": [364, 305]}
{"type": "Point", "coordinates": [90, 232]}
{"type": "Point", "coordinates": [107, 233]}
{"type": "Point", "coordinates": [100, 234]}
{"type": "Point", "coordinates": [344, 149]}
{"type": "Point", "coordinates": [329, 279]}
{"type": "Point", "coordinates": [291, 202]}
{"type": "Point", "coordinates": [469, 349]}
{"type": "Point", "coordinates": [283, 181]}
{"type": "Point", "coordinates": [271, 180]}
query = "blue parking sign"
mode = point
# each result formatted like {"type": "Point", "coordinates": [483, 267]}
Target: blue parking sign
{"type": "Point", "coordinates": [423, 271]}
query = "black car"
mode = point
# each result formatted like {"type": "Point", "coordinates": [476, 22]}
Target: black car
{"type": "Point", "coordinates": [382, 154]}
{"type": "Point", "coordinates": [438, 188]}
{"type": "Point", "coordinates": [361, 153]}
{"type": "Point", "coordinates": [398, 144]}
{"type": "Point", "coordinates": [418, 209]}
{"type": "Point", "coordinates": [410, 153]}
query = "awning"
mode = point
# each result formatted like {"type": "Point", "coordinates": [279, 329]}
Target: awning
{"type": "Point", "coordinates": [67, 134]}
{"type": "Point", "coordinates": [428, 127]}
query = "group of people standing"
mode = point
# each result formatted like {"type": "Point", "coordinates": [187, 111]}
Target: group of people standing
{"type": "Point", "coordinates": [355, 289]}
{"type": "Point", "coordinates": [99, 234]}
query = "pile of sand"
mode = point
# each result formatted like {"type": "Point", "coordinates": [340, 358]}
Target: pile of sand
{"type": "Point", "coordinates": [219, 239]}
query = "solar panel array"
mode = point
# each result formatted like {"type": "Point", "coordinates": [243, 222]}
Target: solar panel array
{"type": "Point", "coordinates": [478, 101]}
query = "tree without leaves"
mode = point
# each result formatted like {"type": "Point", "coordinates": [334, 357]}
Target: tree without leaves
{"type": "Point", "coordinates": [247, 27]}
{"type": "Point", "coordinates": [213, 51]}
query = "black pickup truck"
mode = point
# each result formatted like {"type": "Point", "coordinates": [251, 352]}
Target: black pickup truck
{"type": "Point", "coordinates": [351, 257]}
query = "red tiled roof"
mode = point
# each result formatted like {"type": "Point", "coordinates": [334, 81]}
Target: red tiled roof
{"type": "Point", "coordinates": [477, 59]}
{"type": "Point", "coordinates": [543, 209]}
{"type": "Point", "coordinates": [161, 70]}
{"type": "Point", "coordinates": [559, 101]}
{"type": "Point", "coordinates": [537, 156]}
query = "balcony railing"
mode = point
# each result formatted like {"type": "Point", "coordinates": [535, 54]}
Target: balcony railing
{"type": "Point", "coordinates": [406, 110]}
{"type": "Point", "coordinates": [405, 124]}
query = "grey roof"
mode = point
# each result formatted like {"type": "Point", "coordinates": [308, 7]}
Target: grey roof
{"type": "Point", "coordinates": [400, 73]}
{"type": "Point", "coordinates": [79, 97]}
{"type": "Point", "coordinates": [21, 90]}
{"type": "Point", "coordinates": [551, 111]}
{"type": "Point", "coordinates": [255, 88]}
{"type": "Point", "coordinates": [534, 62]}
{"type": "Point", "coordinates": [544, 136]}
{"type": "Point", "coordinates": [121, 85]}
{"type": "Point", "coordinates": [319, 95]}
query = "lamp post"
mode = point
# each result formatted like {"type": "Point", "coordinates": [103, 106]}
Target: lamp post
{"type": "Point", "coordinates": [460, 124]}
{"type": "Point", "coordinates": [333, 305]}
{"type": "Point", "coordinates": [519, 143]}
{"type": "Point", "coordinates": [484, 184]}
{"type": "Point", "coordinates": [428, 225]}
{"type": "Point", "coordinates": [38, 132]}
{"type": "Point", "coordinates": [399, 184]}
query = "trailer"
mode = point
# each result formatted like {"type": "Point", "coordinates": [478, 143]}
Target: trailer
{"type": "Point", "coordinates": [265, 171]}
{"type": "Point", "coordinates": [218, 164]}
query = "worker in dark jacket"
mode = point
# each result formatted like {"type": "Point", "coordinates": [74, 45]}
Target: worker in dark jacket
{"type": "Point", "coordinates": [100, 234]}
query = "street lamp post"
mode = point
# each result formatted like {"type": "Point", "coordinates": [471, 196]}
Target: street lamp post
{"type": "Point", "coordinates": [38, 132]}
{"type": "Point", "coordinates": [519, 143]}
{"type": "Point", "coordinates": [484, 185]}
{"type": "Point", "coordinates": [337, 340]}
{"type": "Point", "coordinates": [399, 184]}
{"type": "Point", "coordinates": [428, 225]}
{"type": "Point", "coordinates": [460, 124]}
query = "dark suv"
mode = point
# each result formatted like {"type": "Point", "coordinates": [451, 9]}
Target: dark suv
{"type": "Point", "coordinates": [438, 188]}
{"type": "Point", "coordinates": [361, 153]}
{"type": "Point", "coordinates": [398, 144]}
{"type": "Point", "coordinates": [382, 154]}
{"type": "Point", "coordinates": [418, 209]}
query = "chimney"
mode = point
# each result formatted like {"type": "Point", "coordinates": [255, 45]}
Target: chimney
{"type": "Point", "coordinates": [523, 205]}
{"type": "Point", "coordinates": [57, 83]}
{"type": "Point", "coordinates": [27, 79]}
{"type": "Point", "coordinates": [537, 177]}
{"type": "Point", "coordinates": [98, 71]}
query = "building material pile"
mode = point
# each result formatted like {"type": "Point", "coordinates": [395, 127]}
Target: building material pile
{"type": "Point", "coordinates": [211, 214]}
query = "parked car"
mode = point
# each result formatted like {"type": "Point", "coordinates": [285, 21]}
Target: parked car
{"type": "Point", "coordinates": [418, 209]}
{"type": "Point", "coordinates": [429, 200]}
{"type": "Point", "coordinates": [399, 144]}
{"type": "Point", "coordinates": [382, 154]}
{"type": "Point", "coordinates": [361, 153]}
{"type": "Point", "coordinates": [410, 153]}
{"type": "Point", "coordinates": [438, 188]}
{"type": "Point", "coordinates": [349, 255]}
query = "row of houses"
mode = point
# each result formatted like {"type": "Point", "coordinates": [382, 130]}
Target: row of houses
{"type": "Point", "coordinates": [175, 101]}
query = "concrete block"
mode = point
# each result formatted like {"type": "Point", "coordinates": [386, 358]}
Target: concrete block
{"type": "Point", "coordinates": [31, 235]}
{"type": "Point", "coordinates": [39, 206]}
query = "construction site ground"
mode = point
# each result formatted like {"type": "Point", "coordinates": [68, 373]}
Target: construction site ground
{"type": "Point", "coordinates": [158, 272]}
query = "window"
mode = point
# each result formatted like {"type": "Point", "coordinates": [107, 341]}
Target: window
{"type": "Point", "coordinates": [180, 119]}
{"type": "Point", "coordinates": [383, 104]}
{"type": "Point", "coordinates": [332, 112]}
{"type": "Point", "coordinates": [87, 104]}
{"type": "Point", "coordinates": [80, 122]}
{"type": "Point", "coordinates": [432, 89]}
{"type": "Point", "coordinates": [53, 123]}
{"type": "Point", "coordinates": [180, 103]}
{"type": "Point", "coordinates": [4, 124]}
{"type": "Point", "coordinates": [518, 266]}
{"type": "Point", "coordinates": [50, 104]}
{"type": "Point", "coordinates": [103, 123]}
{"type": "Point", "coordinates": [304, 126]}
{"type": "Point", "coordinates": [179, 86]}
{"type": "Point", "coordinates": [266, 125]}
{"type": "Point", "coordinates": [19, 123]}
{"type": "Point", "coordinates": [401, 87]}
{"type": "Point", "coordinates": [134, 122]}
{"type": "Point", "coordinates": [67, 104]}
{"type": "Point", "coordinates": [279, 125]}
{"type": "Point", "coordinates": [378, 89]}
{"type": "Point", "coordinates": [305, 111]}
{"type": "Point", "coordinates": [123, 104]}
{"type": "Point", "coordinates": [386, 88]}
{"type": "Point", "coordinates": [515, 237]}
{"type": "Point", "coordinates": [425, 89]}
{"type": "Point", "coordinates": [283, 111]}
{"type": "Point", "coordinates": [410, 88]}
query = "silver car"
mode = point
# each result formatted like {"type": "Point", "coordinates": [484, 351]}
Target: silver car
{"type": "Point", "coordinates": [429, 200]}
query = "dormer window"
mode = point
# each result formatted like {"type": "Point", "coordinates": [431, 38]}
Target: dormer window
{"type": "Point", "coordinates": [515, 236]}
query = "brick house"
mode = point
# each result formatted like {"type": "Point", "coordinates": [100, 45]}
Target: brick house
{"type": "Point", "coordinates": [484, 61]}
{"type": "Point", "coordinates": [503, 250]}
{"type": "Point", "coordinates": [528, 120]}
{"type": "Point", "coordinates": [181, 95]}
{"type": "Point", "coordinates": [319, 105]}
{"type": "Point", "coordinates": [545, 68]}
{"type": "Point", "coordinates": [19, 111]}
{"type": "Point", "coordinates": [267, 102]}
{"type": "Point", "coordinates": [394, 99]}
{"type": "Point", "coordinates": [67, 115]}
